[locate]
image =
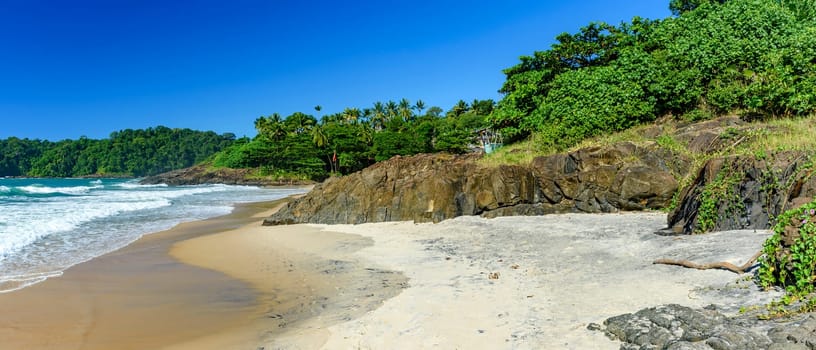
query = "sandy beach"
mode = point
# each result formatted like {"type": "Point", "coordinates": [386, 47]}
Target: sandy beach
{"type": "Point", "coordinates": [532, 282]}
{"type": "Point", "coordinates": [466, 283]}
{"type": "Point", "coordinates": [474, 283]}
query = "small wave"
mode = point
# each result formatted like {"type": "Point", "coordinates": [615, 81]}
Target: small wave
{"type": "Point", "coordinates": [9, 284]}
{"type": "Point", "coordinates": [4, 189]}
{"type": "Point", "coordinates": [34, 189]}
{"type": "Point", "coordinates": [134, 185]}
{"type": "Point", "coordinates": [63, 219]}
{"type": "Point", "coordinates": [96, 182]}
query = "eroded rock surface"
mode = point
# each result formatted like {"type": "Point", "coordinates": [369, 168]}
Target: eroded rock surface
{"type": "Point", "coordinates": [743, 192]}
{"type": "Point", "coordinates": [435, 187]}
{"type": "Point", "coordinates": [676, 327]}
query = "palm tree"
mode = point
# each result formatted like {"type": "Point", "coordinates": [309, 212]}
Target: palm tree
{"type": "Point", "coordinates": [318, 108]}
{"type": "Point", "coordinates": [419, 106]}
{"type": "Point", "coordinates": [319, 136]}
{"type": "Point", "coordinates": [391, 109]}
{"type": "Point", "coordinates": [351, 115]}
{"type": "Point", "coordinates": [405, 109]}
{"type": "Point", "coordinates": [378, 116]}
{"type": "Point", "coordinates": [271, 126]}
{"type": "Point", "coordinates": [300, 122]}
{"type": "Point", "coordinates": [459, 108]}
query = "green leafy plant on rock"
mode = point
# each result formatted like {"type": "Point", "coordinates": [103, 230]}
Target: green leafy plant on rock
{"type": "Point", "coordinates": [790, 254]}
{"type": "Point", "coordinates": [719, 192]}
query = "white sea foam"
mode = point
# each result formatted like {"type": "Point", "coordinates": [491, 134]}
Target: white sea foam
{"type": "Point", "coordinates": [34, 189]}
{"type": "Point", "coordinates": [12, 283]}
{"type": "Point", "coordinates": [59, 216]}
{"type": "Point", "coordinates": [43, 231]}
{"type": "Point", "coordinates": [133, 185]}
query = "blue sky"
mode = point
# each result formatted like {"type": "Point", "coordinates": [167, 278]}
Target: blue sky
{"type": "Point", "coordinates": [76, 68]}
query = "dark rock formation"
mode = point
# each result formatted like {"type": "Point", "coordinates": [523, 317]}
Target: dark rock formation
{"type": "Point", "coordinates": [743, 192]}
{"type": "Point", "coordinates": [678, 327]}
{"type": "Point", "coordinates": [203, 174]}
{"type": "Point", "coordinates": [435, 187]}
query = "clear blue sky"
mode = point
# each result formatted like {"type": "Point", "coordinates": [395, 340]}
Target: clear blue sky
{"type": "Point", "coordinates": [74, 68]}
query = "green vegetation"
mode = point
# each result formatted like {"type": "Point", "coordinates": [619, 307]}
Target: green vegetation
{"type": "Point", "coordinates": [714, 195]}
{"type": "Point", "coordinates": [125, 153]}
{"type": "Point", "coordinates": [300, 146]}
{"type": "Point", "coordinates": [789, 261]}
{"type": "Point", "coordinates": [791, 264]}
{"type": "Point", "coordinates": [756, 58]}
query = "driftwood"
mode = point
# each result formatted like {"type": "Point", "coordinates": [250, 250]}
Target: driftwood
{"type": "Point", "coordinates": [723, 265]}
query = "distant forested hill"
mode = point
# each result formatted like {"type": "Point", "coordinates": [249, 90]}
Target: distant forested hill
{"type": "Point", "coordinates": [126, 153]}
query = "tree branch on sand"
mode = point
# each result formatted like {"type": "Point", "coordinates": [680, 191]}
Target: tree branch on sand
{"type": "Point", "coordinates": [723, 265]}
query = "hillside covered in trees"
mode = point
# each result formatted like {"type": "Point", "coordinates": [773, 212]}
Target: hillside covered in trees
{"type": "Point", "coordinates": [126, 153]}
{"type": "Point", "coordinates": [755, 58]}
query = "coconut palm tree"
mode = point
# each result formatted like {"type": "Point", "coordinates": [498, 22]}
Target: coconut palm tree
{"type": "Point", "coordinates": [300, 122]}
{"type": "Point", "coordinates": [378, 116]}
{"type": "Point", "coordinates": [351, 115]}
{"type": "Point", "coordinates": [319, 136]}
{"type": "Point", "coordinates": [405, 109]}
{"type": "Point", "coordinates": [419, 106]}
{"type": "Point", "coordinates": [458, 109]}
{"type": "Point", "coordinates": [271, 126]}
{"type": "Point", "coordinates": [391, 110]}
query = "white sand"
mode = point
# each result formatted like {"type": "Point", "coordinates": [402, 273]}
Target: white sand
{"type": "Point", "coordinates": [556, 274]}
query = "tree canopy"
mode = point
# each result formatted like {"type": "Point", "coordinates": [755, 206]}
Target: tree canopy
{"type": "Point", "coordinates": [350, 140]}
{"type": "Point", "coordinates": [126, 153]}
{"type": "Point", "coordinates": [752, 57]}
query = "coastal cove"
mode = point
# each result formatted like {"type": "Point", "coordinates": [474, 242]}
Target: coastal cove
{"type": "Point", "coordinates": [374, 179]}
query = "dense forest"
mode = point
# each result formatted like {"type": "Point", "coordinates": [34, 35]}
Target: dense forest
{"type": "Point", "coordinates": [301, 145]}
{"type": "Point", "coordinates": [125, 153]}
{"type": "Point", "coordinates": [755, 58]}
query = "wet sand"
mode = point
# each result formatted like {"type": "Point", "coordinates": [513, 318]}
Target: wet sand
{"type": "Point", "coordinates": [135, 298]}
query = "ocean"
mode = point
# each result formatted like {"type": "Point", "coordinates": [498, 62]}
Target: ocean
{"type": "Point", "coordinates": [49, 225]}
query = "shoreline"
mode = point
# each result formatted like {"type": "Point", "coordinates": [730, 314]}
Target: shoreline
{"type": "Point", "coordinates": [469, 282]}
{"type": "Point", "coordinates": [136, 297]}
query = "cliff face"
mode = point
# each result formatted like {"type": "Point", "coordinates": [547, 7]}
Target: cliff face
{"type": "Point", "coordinates": [435, 187]}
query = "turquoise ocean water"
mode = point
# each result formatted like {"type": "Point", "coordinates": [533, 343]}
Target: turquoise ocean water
{"type": "Point", "coordinates": [48, 225]}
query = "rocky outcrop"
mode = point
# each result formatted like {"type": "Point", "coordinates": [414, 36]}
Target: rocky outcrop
{"type": "Point", "coordinates": [204, 174]}
{"type": "Point", "coordinates": [742, 192]}
{"type": "Point", "coordinates": [435, 187]}
{"type": "Point", "coordinates": [675, 327]}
